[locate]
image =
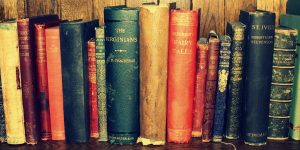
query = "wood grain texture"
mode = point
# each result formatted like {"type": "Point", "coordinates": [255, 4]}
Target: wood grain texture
{"type": "Point", "coordinates": [1, 9]}
{"type": "Point", "coordinates": [114, 2]}
{"type": "Point", "coordinates": [98, 12]}
{"type": "Point", "coordinates": [14, 9]}
{"type": "Point", "coordinates": [76, 9]}
{"type": "Point", "coordinates": [277, 6]}
{"type": "Point", "coordinates": [38, 7]}
{"type": "Point", "coordinates": [182, 4]}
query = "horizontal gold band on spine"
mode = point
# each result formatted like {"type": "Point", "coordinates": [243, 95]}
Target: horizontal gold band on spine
{"type": "Point", "coordinates": [279, 139]}
{"type": "Point", "coordinates": [286, 50]}
{"type": "Point", "coordinates": [280, 117]}
{"type": "Point", "coordinates": [290, 84]}
{"type": "Point", "coordinates": [283, 67]}
{"type": "Point", "coordinates": [281, 101]}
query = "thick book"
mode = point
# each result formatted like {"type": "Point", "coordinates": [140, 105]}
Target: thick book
{"type": "Point", "coordinates": [211, 86]}
{"type": "Point", "coordinates": [122, 74]}
{"type": "Point", "coordinates": [11, 83]}
{"type": "Point", "coordinates": [222, 88]}
{"type": "Point", "coordinates": [101, 83]}
{"type": "Point", "coordinates": [285, 42]}
{"type": "Point", "coordinates": [93, 99]}
{"type": "Point", "coordinates": [200, 87]}
{"type": "Point", "coordinates": [55, 89]}
{"type": "Point", "coordinates": [154, 29]}
{"type": "Point", "coordinates": [258, 73]}
{"type": "Point", "coordinates": [27, 50]}
{"type": "Point", "coordinates": [181, 74]}
{"type": "Point", "coordinates": [2, 118]}
{"type": "Point", "coordinates": [292, 7]}
{"type": "Point", "coordinates": [236, 30]}
{"type": "Point", "coordinates": [73, 38]}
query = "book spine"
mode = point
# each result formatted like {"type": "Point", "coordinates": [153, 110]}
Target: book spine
{"type": "Point", "coordinates": [181, 64]}
{"type": "Point", "coordinates": [211, 88]}
{"type": "Point", "coordinates": [258, 74]}
{"type": "Point", "coordinates": [154, 29]}
{"type": "Point", "coordinates": [93, 100]}
{"type": "Point", "coordinates": [28, 81]}
{"type": "Point", "coordinates": [54, 74]}
{"type": "Point", "coordinates": [220, 103]}
{"type": "Point", "coordinates": [199, 100]}
{"type": "Point", "coordinates": [42, 80]}
{"type": "Point", "coordinates": [234, 100]}
{"type": "Point", "coordinates": [282, 83]}
{"type": "Point", "coordinates": [11, 83]}
{"type": "Point", "coordinates": [101, 83]}
{"type": "Point", "coordinates": [2, 118]}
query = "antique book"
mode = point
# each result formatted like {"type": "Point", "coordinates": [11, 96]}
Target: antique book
{"type": "Point", "coordinates": [236, 31]}
{"type": "Point", "coordinates": [221, 96]}
{"type": "Point", "coordinates": [73, 38]}
{"type": "Point", "coordinates": [2, 118]}
{"type": "Point", "coordinates": [122, 74]}
{"type": "Point", "coordinates": [101, 83]}
{"type": "Point", "coordinates": [93, 99]}
{"type": "Point", "coordinates": [292, 7]}
{"type": "Point", "coordinates": [257, 73]}
{"type": "Point", "coordinates": [285, 42]}
{"type": "Point", "coordinates": [211, 86]}
{"type": "Point", "coordinates": [200, 87]}
{"type": "Point", "coordinates": [293, 21]}
{"type": "Point", "coordinates": [154, 29]}
{"type": "Point", "coordinates": [27, 48]}
{"type": "Point", "coordinates": [181, 74]}
{"type": "Point", "coordinates": [11, 83]}
{"type": "Point", "coordinates": [54, 76]}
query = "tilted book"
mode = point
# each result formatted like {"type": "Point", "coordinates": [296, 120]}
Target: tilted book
{"type": "Point", "coordinates": [2, 118]}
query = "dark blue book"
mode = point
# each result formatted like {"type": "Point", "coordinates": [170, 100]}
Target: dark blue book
{"type": "Point", "coordinates": [2, 119]}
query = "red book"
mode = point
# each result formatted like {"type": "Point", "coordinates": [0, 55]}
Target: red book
{"type": "Point", "coordinates": [211, 86]}
{"type": "Point", "coordinates": [181, 74]}
{"type": "Point", "coordinates": [200, 88]}
{"type": "Point", "coordinates": [93, 98]}
{"type": "Point", "coordinates": [55, 83]}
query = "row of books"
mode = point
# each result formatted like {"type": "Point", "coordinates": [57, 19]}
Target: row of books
{"type": "Point", "coordinates": [145, 78]}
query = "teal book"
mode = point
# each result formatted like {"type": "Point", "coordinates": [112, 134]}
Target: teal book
{"type": "Point", "coordinates": [293, 7]}
{"type": "Point", "coordinates": [74, 36]}
{"type": "Point", "coordinates": [2, 119]}
{"type": "Point", "coordinates": [122, 74]}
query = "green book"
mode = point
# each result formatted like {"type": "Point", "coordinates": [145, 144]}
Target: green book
{"type": "Point", "coordinates": [293, 7]}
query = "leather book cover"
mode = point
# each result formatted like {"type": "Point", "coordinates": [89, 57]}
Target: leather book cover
{"type": "Point", "coordinates": [55, 89]}
{"type": "Point", "coordinates": [2, 118]}
{"type": "Point", "coordinates": [292, 7]}
{"type": "Point", "coordinates": [27, 50]}
{"type": "Point", "coordinates": [93, 99]}
{"type": "Point", "coordinates": [122, 74]}
{"type": "Point", "coordinates": [11, 83]}
{"type": "Point", "coordinates": [74, 53]}
{"type": "Point", "coordinates": [293, 21]}
{"type": "Point", "coordinates": [222, 88]}
{"type": "Point", "coordinates": [181, 74]}
{"type": "Point", "coordinates": [211, 86]}
{"type": "Point", "coordinates": [101, 83]}
{"type": "Point", "coordinates": [154, 29]}
{"type": "Point", "coordinates": [200, 83]}
{"type": "Point", "coordinates": [258, 74]}
{"type": "Point", "coordinates": [285, 42]}
{"type": "Point", "coordinates": [236, 30]}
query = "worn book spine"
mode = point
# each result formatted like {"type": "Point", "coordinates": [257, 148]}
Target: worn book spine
{"type": "Point", "coordinates": [200, 84]}
{"type": "Point", "coordinates": [154, 29]}
{"type": "Point", "coordinates": [11, 83]}
{"type": "Point", "coordinates": [285, 42]}
{"type": "Point", "coordinates": [2, 118]}
{"type": "Point", "coordinates": [42, 80]}
{"type": "Point", "coordinates": [181, 64]}
{"type": "Point", "coordinates": [222, 88]}
{"type": "Point", "coordinates": [93, 100]}
{"type": "Point", "coordinates": [122, 74]}
{"type": "Point", "coordinates": [54, 74]}
{"type": "Point", "coordinates": [258, 74]}
{"type": "Point", "coordinates": [236, 31]}
{"type": "Point", "coordinates": [101, 83]}
{"type": "Point", "coordinates": [211, 86]}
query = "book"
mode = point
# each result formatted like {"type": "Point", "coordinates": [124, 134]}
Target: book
{"type": "Point", "coordinates": [211, 85]}
{"type": "Point", "coordinates": [285, 42]}
{"type": "Point", "coordinates": [258, 73]}
{"type": "Point", "coordinates": [11, 83]}
{"type": "Point", "coordinates": [55, 87]}
{"type": "Point", "coordinates": [200, 87]}
{"type": "Point", "coordinates": [101, 83]}
{"type": "Point", "coordinates": [28, 66]}
{"type": "Point", "coordinates": [154, 29]}
{"type": "Point", "coordinates": [292, 21]}
{"type": "Point", "coordinates": [2, 118]}
{"type": "Point", "coordinates": [222, 88]}
{"type": "Point", "coordinates": [122, 74]}
{"type": "Point", "coordinates": [93, 99]}
{"type": "Point", "coordinates": [236, 30]}
{"type": "Point", "coordinates": [292, 7]}
{"type": "Point", "coordinates": [73, 38]}
{"type": "Point", "coordinates": [181, 64]}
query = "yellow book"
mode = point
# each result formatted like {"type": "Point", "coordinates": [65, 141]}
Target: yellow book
{"type": "Point", "coordinates": [11, 83]}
